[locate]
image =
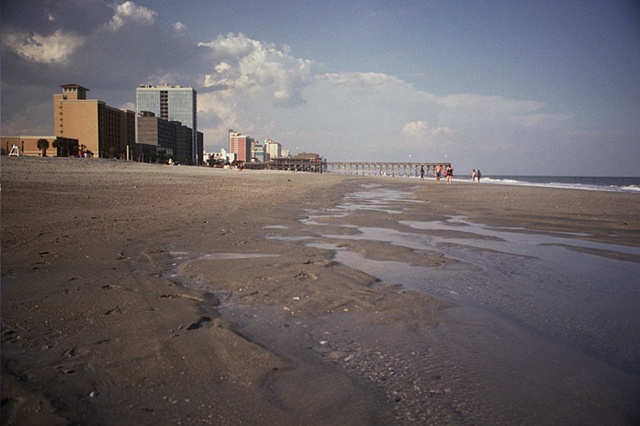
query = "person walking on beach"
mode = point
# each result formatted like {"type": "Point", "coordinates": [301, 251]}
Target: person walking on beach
{"type": "Point", "coordinates": [479, 174]}
{"type": "Point", "coordinates": [438, 172]}
{"type": "Point", "coordinates": [473, 175]}
{"type": "Point", "coordinates": [449, 174]}
{"type": "Point", "coordinates": [421, 173]}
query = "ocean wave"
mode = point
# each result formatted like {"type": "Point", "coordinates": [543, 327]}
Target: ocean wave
{"type": "Point", "coordinates": [583, 183]}
{"type": "Point", "coordinates": [631, 188]}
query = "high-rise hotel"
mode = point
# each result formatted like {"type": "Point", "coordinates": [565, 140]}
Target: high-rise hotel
{"type": "Point", "coordinates": [173, 103]}
{"type": "Point", "coordinates": [240, 145]}
{"type": "Point", "coordinates": [105, 131]}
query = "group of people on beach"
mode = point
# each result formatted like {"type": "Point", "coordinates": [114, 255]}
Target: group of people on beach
{"type": "Point", "coordinates": [448, 173]}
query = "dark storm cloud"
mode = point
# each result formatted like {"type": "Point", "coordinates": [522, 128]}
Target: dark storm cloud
{"type": "Point", "coordinates": [84, 16]}
{"type": "Point", "coordinates": [109, 49]}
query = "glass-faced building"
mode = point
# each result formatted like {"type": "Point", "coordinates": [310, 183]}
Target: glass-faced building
{"type": "Point", "coordinates": [172, 103]}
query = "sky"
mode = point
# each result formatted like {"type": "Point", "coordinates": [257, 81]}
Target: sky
{"type": "Point", "coordinates": [508, 87]}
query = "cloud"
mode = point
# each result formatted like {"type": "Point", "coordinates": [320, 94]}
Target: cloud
{"type": "Point", "coordinates": [502, 115]}
{"type": "Point", "coordinates": [131, 106]}
{"type": "Point", "coordinates": [470, 103]}
{"type": "Point", "coordinates": [54, 48]}
{"type": "Point", "coordinates": [131, 12]}
{"type": "Point", "coordinates": [540, 120]}
{"type": "Point", "coordinates": [242, 66]}
{"type": "Point", "coordinates": [369, 84]}
{"type": "Point", "coordinates": [422, 131]}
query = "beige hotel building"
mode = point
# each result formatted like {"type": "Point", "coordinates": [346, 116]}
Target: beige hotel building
{"type": "Point", "coordinates": [105, 131]}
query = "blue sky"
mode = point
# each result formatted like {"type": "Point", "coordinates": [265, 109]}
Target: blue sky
{"type": "Point", "coordinates": [544, 87]}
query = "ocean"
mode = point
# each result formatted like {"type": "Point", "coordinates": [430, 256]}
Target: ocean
{"type": "Point", "coordinates": [591, 183]}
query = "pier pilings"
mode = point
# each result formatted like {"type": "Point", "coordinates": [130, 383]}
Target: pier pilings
{"type": "Point", "coordinates": [382, 168]}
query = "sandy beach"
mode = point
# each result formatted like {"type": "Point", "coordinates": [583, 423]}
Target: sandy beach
{"type": "Point", "coordinates": [147, 294]}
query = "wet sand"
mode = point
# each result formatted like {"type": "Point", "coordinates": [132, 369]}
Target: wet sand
{"type": "Point", "coordinates": [144, 294]}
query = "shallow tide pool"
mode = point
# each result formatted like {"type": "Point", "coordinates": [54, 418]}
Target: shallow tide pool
{"type": "Point", "coordinates": [546, 327]}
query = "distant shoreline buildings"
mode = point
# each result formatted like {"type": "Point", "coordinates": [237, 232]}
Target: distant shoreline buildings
{"type": "Point", "coordinates": [164, 128]}
{"type": "Point", "coordinates": [243, 149]}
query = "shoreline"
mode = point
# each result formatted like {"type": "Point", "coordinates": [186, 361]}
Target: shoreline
{"type": "Point", "coordinates": [104, 319]}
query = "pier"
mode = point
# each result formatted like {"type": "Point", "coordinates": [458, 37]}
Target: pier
{"type": "Point", "coordinates": [312, 165]}
{"type": "Point", "coordinates": [383, 168]}
{"type": "Point", "coordinates": [363, 168]}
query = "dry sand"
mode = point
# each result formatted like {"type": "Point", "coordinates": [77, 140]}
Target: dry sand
{"type": "Point", "coordinates": [115, 278]}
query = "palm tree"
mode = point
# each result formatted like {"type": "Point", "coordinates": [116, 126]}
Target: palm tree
{"type": "Point", "coordinates": [43, 145]}
{"type": "Point", "coordinates": [61, 146]}
{"type": "Point", "coordinates": [112, 152]}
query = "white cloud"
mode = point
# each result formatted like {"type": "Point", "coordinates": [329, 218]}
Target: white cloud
{"type": "Point", "coordinates": [498, 112]}
{"type": "Point", "coordinates": [179, 26]}
{"type": "Point", "coordinates": [231, 46]}
{"type": "Point", "coordinates": [54, 48]}
{"type": "Point", "coordinates": [539, 120]}
{"type": "Point", "coordinates": [131, 12]}
{"type": "Point", "coordinates": [369, 83]}
{"type": "Point", "coordinates": [250, 67]}
{"type": "Point", "coordinates": [422, 131]}
{"type": "Point", "coordinates": [128, 105]}
{"type": "Point", "coordinates": [478, 104]}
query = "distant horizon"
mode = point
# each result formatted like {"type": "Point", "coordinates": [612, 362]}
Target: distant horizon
{"type": "Point", "coordinates": [573, 176]}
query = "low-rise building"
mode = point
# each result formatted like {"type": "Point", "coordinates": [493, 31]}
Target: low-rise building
{"type": "Point", "coordinates": [155, 136]}
{"type": "Point", "coordinates": [28, 146]}
{"type": "Point", "coordinates": [162, 139]}
{"type": "Point", "coordinates": [259, 153]}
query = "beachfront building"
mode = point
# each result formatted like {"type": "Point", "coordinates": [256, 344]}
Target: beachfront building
{"type": "Point", "coordinates": [199, 146]}
{"type": "Point", "coordinates": [303, 162]}
{"type": "Point", "coordinates": [100, 129]}
{"type": "Point", "coordinates": [273, 148]}
{"type": "Point", "coordinates": [222, 155]}
{"type": "Point", "coordinates": [240, 145]}
{"type": "Point", "coordinates": [259, 153]}
{"type": "Point", "coordinates": [28, 146]}
{"type": "Point", "coordinates": [184, 143]}
{"type": "Point", "coordinates": [174, 103]}
{"type": "Point", "coordinates": [156, 138]}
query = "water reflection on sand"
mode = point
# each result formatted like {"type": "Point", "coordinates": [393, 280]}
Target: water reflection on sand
{"type": "Point", "coordinates": [546, 321]}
